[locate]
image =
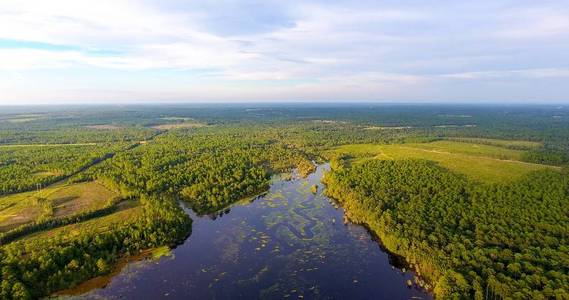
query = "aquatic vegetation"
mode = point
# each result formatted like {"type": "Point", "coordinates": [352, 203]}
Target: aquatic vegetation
{"type": "Point", "coordinates": [262, 250]}
{"type": "Point", "coordinates": [160, 252]}
{"type": "Point", "coordinates": [314, 189]}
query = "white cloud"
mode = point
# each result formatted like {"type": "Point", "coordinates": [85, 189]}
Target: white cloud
{"type": "Point", "coordinates": [322, 50]}
{"type": "Point", "coordinates": [528, 73]}
{"type": "Point", "coordinates": [535, 23]}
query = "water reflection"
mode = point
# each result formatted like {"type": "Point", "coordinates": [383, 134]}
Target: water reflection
{"type": "Point", "coordinates": [288, 243]}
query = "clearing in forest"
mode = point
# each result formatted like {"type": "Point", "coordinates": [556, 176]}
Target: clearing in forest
{"type": "Point", "coordinates": [480, 162]}
{"type": "Point", "coordinates": [128, 212]}
{"type": "Point", "coordinates": [104, 127]}
{"type": "Point", "coordinates": [512, 144]}
{"type": "Point", "coordinates": [56, 201]}
{"type": "Point", "coordinates": [177, 126]}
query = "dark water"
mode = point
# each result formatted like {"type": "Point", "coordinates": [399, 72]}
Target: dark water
{"type": "Point", "coordinates": [284, 244]}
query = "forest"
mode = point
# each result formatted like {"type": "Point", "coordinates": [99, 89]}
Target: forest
{"type": "Point", "coordinates": [24, 168]}
{"type": "Point", "coordinates": [208, 169]}
{"type": "Point", "coordinates": [474, 198]}
{"type": "Point", "coordinates": [469, 240]}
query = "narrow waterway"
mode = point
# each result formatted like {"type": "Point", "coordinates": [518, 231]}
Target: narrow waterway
{"type": "Point", "coordinates": [288, 243]}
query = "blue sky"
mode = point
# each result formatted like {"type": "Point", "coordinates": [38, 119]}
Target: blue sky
{"type": "Point", "coordinates": [115, 51]}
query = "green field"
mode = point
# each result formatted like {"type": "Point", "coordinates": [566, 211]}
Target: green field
{"type": "Point", "coordinates": [127, 213]}
{"type": "Point", "coordinates": [480, 162]}
{"type": "Point", "coordinates": [500, 143]}
{"type": "Point", "coordinates": [470, 149]}
{"type": "Point", "coordinates": [56, 201]}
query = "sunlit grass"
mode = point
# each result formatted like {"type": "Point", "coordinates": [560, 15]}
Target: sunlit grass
{"type": "Point", "coordinates": [96, 225]}
{"type": "Point", "coordinates": [60, 200]}
{"type": "Point", "coordinates": [500, 143]}
{"type": "Point", "coordinates": [480, 162]}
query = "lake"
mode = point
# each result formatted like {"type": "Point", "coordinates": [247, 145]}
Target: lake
{"type": "Point", "coordinates": [288, 243]}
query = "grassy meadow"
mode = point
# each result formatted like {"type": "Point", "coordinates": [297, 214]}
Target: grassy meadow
{"type": "Point", "coordinates": [480, 162]}
{"type": "Point", "coordinates": [58, 201]}
{"type": "Point", "coordinates": [127, 213]}
{"type": "Point", "coordinates": [512, 144]}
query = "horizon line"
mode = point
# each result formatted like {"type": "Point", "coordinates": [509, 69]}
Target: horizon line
{"type": "Point", "coordinates": [292, 102]}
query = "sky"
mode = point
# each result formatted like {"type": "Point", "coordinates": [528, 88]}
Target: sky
{"type": "Point", "coordinates": [115, 51]}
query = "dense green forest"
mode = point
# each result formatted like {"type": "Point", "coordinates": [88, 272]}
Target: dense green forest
{"type": "Point", "coordinates": [25, 168]}
{"type": "Point", "coordinates": [74, 136]}
{"type": "Point", "coordinates": [209, 168]}
{"type": "Point", "coordinates": [469, 240]}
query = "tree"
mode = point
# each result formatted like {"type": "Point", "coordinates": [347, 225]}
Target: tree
{"type": "Point", "coordinates": [19, 291]}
